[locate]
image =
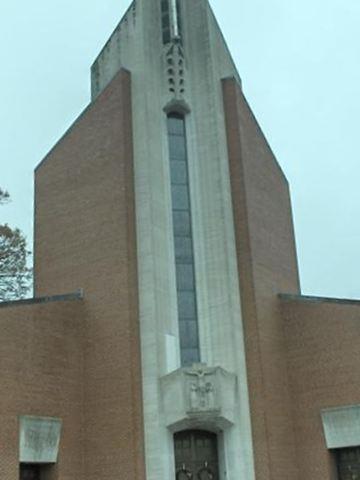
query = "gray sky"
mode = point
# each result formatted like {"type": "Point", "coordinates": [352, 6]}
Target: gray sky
{"type": "Point", "coordinates": [299, 62]}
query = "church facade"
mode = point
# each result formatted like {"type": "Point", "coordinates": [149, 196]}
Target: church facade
{"type": "Point", "coordinates": [168, 337]}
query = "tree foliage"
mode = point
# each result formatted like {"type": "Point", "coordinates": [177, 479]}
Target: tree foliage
{"type": "Point", "coordinates": [15, 276]}
{"type": "Point", "coordinates": [4, 196]}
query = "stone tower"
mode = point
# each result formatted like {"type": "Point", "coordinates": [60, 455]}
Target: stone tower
{"type": "Point", "coordinates": [190, 298]}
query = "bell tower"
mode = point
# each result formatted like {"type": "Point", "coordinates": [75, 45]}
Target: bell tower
{"type": "Point", "coordinates": [192, 345]}
{"type": "Point", "coordinates": [183, 348]}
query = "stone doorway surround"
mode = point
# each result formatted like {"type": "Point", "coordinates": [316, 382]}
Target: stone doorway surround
{"type": "Point", "coordinates": [201, 398]}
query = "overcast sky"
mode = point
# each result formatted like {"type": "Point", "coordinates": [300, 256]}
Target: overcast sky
{"type": "Point", "coordinates": [299, 62]}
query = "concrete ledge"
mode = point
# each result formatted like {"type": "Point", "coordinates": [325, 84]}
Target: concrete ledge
{"type": "Point", "coordinates": [39, 439]}
{"type": "Point", "coordinates": [304, 298]}
{"type": "Point", "coordinates": [341, 426]}
{"type": "Point", "coordinates": [79, 295]}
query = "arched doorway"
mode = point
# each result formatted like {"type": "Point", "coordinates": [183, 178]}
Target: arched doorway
{"type": "Point", "coordinates": [196, 455]}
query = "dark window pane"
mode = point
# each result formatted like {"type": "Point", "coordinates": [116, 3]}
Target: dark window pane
{"type": "Point", "coordinates": [188, 334]}
{"type": "Point", "coordinates": [165, 5]}
{"type": "Point", "coordinates": [193, 336]}
{"type": "Point", "coordinates": [182, 223]}
{"type": "Point", "coordinates": [185, 277]}
{"type": "Point", "coordinates": [183, 250]}
{"type": "Point", "coordinates": [165, 22]}
{"type": "Point", "coordinates": [348, 460]}
{"type": "Point", "coordinates": [180, 25]}
{"type": "Point", "coordinates": [178, 171]}
{"type": "Point", "coordinates": [183, 335]}
{"type": "Point", "coordinates": [189, 356]}
{"type": "Point", "coordinates": [180, 197]}
{"type": "Point", "coordinates": [177, 147]}
{"type": "Point", "coordinates": [176, 126]}
{"type": "Point", "coordinates": [186, 304]}
{"type": "Point", "coordinates": [29, 471]}
{"type": "Point", "coordinates": [179, 16]}
{"type": "Point", "coordinates": [166, 36]}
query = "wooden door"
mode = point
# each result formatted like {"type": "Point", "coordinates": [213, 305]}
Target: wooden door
{"type": "Point", "coordinates": [196, 455]}
{"type": "Point", "coordinates": [348, 461]}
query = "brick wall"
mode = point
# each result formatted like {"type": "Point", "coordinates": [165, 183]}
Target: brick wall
{"type": "Point", "coordinates": [41, 363]}
{"type": "Point", "coordinates": [85, 238]}
{"type": "Point", "coordinates": [323, 338]}
{"type": "Point", "coordinates": [267, 265]}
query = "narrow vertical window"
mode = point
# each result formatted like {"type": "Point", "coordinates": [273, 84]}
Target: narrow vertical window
{"type": "Point", "coordinates": [183, 240]}
{"type": "Point", "coordinates": [178, 12]}
{"type": "Point", "coordinates": [166, 21]}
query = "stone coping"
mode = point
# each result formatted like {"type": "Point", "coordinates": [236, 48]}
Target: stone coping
{"type": "Point", "coordinates": [79, 295]}
{"type": "Point", "coordinates": [313, 299]}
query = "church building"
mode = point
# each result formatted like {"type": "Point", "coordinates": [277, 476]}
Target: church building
{"type": "Point", "coordinates": [168, 338]}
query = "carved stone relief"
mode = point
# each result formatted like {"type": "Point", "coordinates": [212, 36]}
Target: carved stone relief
{"type": "Point", "coordinates": [202, 389]}
{"type": "Point", "coordinates": [175, 69]}
{"type": "Point", "coordinates": [199, 397]}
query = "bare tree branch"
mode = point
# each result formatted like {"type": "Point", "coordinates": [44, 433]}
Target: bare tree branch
{"type": "Point", "coordinates": [4, 196]}
{"type": "Point", "coordinates": [15, 276]}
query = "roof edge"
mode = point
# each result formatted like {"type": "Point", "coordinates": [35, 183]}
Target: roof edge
{"type": "Point", "coordinates": [289, 297]}
{"type": "Point", "coordinates": [77, 119]}
{"type": "Point", "coordinates": [78, 295]}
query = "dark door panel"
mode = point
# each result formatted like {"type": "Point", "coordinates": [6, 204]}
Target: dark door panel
{"type": "Point", "coordinates": [29, 472]}
{"type": "Point", "coordinates": [196, 455]}
{"type": "Point", "coordinates": [348, 461]}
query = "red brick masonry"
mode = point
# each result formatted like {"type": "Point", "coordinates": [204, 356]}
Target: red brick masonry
{"type": "Point", "coordinates": [323, 340]}
{"type": "Point", "coordinates": [41, 355]}
{"type": "Point", "coordinates": [80, 360]}
{"type": "Point", "coordinates": [267, 265]}
{"type": "Point", "coordinates": [302, 353]}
